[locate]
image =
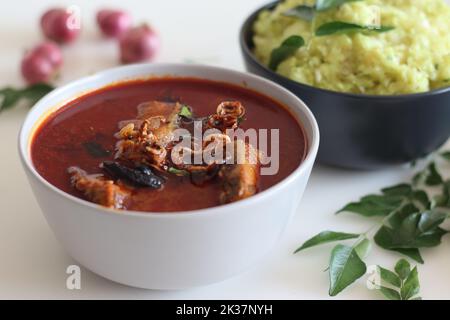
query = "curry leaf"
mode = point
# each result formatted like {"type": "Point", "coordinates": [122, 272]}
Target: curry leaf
{"type": "Point", "coordinates": [345, 268]}
{"type": "Point", "coordinates": [307, 13]}
{"type": "Point", "coordinates": [344, 27]}
{"type": "Point", "coordinates": [416, 230]}
{"type": "Point", "coordinates": [363, 248]}
{"type": "Point", "coordinates": [9, 97]}
{"type": "Point", "coordinates": [389, 277]}
{"type": "Point", "coordinates": [374, 205]}
{"type": "Point", "coordinates": [405, 238]}
{"type": "Point", "coordinates": [322, 5]}
{"type": "Point", "coordinates": [411, 285]}
{"type": "Point", "coordinates": [326, 237]}
{"type": "Point", "coordinates": [396, 219]}
{"type": "Point", "coordinates": [443, 200]}
{"type": "Point", "coordinates": [178, 172]}
{"type": "Point", "coordinates": [390, 294]}
{"type": "Point", "coordinates": [446, 155]}
{"type": "Point", "coordinates": [411, 253]}
{"type": "Point", "coordinates": [433, 177]}
{"type": "Point", "coordinates": [95, 149]}
{"type": "Point", "coordinates": [403, 189]}
{"type": "Point", "coordinates": [185, 112]}
{"type": "Point", "coordinates": [430, 220]}
{"type": "Point", "coordinates": [302, 12]}
{"type": "Point", "coordinates": [421, 197]}
{"type": "Point", "coordinates": [403, 268]}
{"type": "Point", "coordinates": [287, 48]}
{"type": "Point", "coordinates": [405, 279]}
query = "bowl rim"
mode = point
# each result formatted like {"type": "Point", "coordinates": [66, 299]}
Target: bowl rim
{"type": "Point", "coordinates": [245, 46]}
{"type": "Point", "coordinates": [25, 138]}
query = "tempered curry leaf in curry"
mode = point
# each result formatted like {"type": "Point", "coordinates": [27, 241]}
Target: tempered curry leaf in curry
{"type": "Point", "coordinates": [95, 149]}
{"type": "Point", "coordinates": [185, 112]}
{"type": "Point", "coordinates": [9, 97]}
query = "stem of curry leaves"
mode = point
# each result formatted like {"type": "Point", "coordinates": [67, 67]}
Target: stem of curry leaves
{"type": "Point", "coordinates": [432, 177]}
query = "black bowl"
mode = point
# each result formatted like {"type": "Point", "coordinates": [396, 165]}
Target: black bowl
{"type": "Point", "coordinates": [364, 131]}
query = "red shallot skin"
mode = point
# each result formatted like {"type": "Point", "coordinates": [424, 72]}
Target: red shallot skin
{"type": "Point", "coordinates": [113, 23]}
{"type": "Point", "coordinates": [139, 44]}
{"type": "Point", "coordinates": [41, 63]}
{"type": "Point", "coordinates": [56, 26]}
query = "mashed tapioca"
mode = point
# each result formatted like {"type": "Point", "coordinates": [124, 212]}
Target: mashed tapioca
{"type": "Point", "coordinates": [413, 57]}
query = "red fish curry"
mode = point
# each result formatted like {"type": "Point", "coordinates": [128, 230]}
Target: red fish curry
{"type": "Point", "coordinates": [116, 146]}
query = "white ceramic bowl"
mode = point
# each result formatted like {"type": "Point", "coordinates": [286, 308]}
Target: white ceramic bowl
{"type": "Point", "coordinates": [175, 250]}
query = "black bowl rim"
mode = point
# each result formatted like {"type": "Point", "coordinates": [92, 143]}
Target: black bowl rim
{"type": "Point", "coordinates": [248, 23]}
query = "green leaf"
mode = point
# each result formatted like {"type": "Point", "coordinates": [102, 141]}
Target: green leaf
{"type": "Point", "coordinates": [411, 286]}
{"type": "Point", "coordinates": [446, 155]}
{"type": "Point", "coordinates": [307, 13]}
{"type": "Point", "coordinates": [285, 50]}
{"type": "Point", "coordinates": [344, 27]}
{"type": "Point", "coordinates": [418, 178]}
{"type": "Point", "coordinates": [374, 205]}
{"type": "Point", "coordinates": [443, 200]}
{"type": "Point", "coordinates": [388, 238]}
{"type": "Point", "coordinates": [301, 12]}
{"type": "Point", "coordinates": [178, 172]}
{"type": "Point", "coordinates": [185, 112]}
{"type": "Point", "coordinates": [326, 237]}
{"type": "Point", "coordinates": [36, 92]}
{"type": "Point", "coordinates": [411, 253]}
{"type": "Point", "coordinates": [390, 294]}
{"type": "Point", "coordinates": [398, 190]}
{"type": "Point", "coordinates": [416, 230]}
{"type": "Point", "coordinates": [396, 219]}
{"type": "Point", "coordinates": [9, 97]}
{"type": "Point", "coordinates": [389, 277]}
{"type": "Point", "coordinates": [95, 149]}
{"type": "Point", "coordinates": [345, 268]}
{"type": "Point", "coordinates": [421, 197]}
{"type": "Point", "coordinates": [322, 5]}
{"type": "Point", "coordinates": [403, 268]}
{"type": "Point", "coordinates": [433, 177]}
{"type": "Point", "coordinates": [363, 248]}
{"type": "Point", "coordinates": [430, 220]}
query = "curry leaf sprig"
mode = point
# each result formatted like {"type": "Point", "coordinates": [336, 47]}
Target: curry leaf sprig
{"type": "Point", "coordinates": [308, 12]}
{"type": "Point", "coordinates": [304, 12]}
{"type": "Point", "coordinates": [403, 284]}
{"type": "Point", "coordinates": [335, 27]}
{"type": "Point", "coordinates": [9, 97]}
{"type": "Point", "coordinates": [287, 48]}
{"type": "Point", "coordinates": [409, 220]}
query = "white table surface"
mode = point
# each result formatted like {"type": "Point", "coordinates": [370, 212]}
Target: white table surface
{"type": "Point", "coordinates": [33, 264]}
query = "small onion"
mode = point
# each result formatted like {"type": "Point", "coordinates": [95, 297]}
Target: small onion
{"type": "Point", "coordinates": [41, 63]}
{"type": "Point", "coordinates": [113, 23]}
{"type": "Point", "coordinates": [139, 44]}
{"type": "Point", "coordinates": [55, 24]}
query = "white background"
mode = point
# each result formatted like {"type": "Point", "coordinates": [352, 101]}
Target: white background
{"type": "Point", "coordinates": [33, 264]}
